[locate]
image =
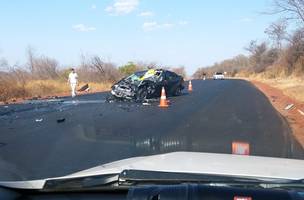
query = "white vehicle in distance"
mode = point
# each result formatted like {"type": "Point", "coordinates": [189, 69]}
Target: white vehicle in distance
{"type": "Point", "coordinates": [218, 76]}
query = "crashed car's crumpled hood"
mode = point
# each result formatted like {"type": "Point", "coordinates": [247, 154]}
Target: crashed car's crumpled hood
{"type": "Point", "coordinates": [191, 162]}
{"type": "Point", "coordinates": [124, 88]}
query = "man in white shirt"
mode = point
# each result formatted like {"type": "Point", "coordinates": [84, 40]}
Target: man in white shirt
{"type": "Point", "coordinates": [73, 81]}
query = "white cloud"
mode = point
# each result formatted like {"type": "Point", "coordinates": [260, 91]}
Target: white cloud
{"type": "Point", "coordinates": [151, 26]}
{"type": "Point", "coordinates": [122, 7]}
{"type": "Point", "coordinates": [167, 25]}
{"type": "Point", "coordinates": [93, 6]}
{"type": "Point", "coordinates": [83, 28]}
{"type": "Point", "coordinates": [183, 22]}
{"type": "Point", "coordinates": [109, 9]}
{"type": "Point", "coordinates": [146, 14]}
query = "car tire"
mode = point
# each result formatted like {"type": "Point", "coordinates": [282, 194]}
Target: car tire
{"type": "Point", "coordinates": [178, 91]}
{"type": "Point", "coordinates": [141, 94]}
{"type": "Point", "coordinates": [110, 98]}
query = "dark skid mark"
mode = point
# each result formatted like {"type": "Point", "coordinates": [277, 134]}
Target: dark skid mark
{"type": "Point", "coordinates": [2, 144]}
{"type": "Point", "coordinates": [60, 120]}
{"type": "Point", "coordinates": [128, 109]}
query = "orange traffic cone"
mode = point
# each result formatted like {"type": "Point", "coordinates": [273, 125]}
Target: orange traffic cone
{"type": "Point", "coordinates": [163, 99]}
{"type": "Point", "coordinates": [190, 86]}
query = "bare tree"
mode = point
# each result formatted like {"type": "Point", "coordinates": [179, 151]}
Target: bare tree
{"type": "Point", "coordinates": [293, 8]}
{"type": "Point", "coordinates": [106, 71]}
{"type": "Point", "coordinates": [98, 64]}
{"type": "Point", "coordinates": [3, 64]}
{"type": "Point", "coordinates": [143, 65]}
{"type": "Point", "coordinates": [259, 57]}
{"type": "Point", "coordinates": [19, 75]}
{"type": "Point", "coordinates": [31, 57]}
{"type": "Point", "coordinates": [45, 68]}
{"type": "Point", "coordinates": [180, 71]}
{"type": "Point", "coordinates": [294, 54]}
{"type": "Point", "coordinates": [94, 68]}
{"type": "Point", "coordinates": [41, 67]}
{"type": "Point", "coordinates": [297, 38]}
{"type": "Point", "coordinates": [251, 46]}
{"type": "Point", "coordinates": [277, 32]}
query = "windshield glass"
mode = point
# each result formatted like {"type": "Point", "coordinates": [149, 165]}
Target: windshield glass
{"type": "Point", "coordinates": [136, 77]}
{"type": "Point", "coordinates": [87, 83]}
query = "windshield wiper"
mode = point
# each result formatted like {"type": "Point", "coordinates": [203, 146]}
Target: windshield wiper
{"type": "Point", "coordinates": [105, 181]}
{"type": "Point", "coordinates": [129, 178]}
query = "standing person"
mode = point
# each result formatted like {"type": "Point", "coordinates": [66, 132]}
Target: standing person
{"type": "Point", "coordinates": [73, 81]}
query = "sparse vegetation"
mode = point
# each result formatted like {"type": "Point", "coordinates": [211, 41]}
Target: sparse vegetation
{"type": "Point", "coordinates": [180, 71]}
{"type": "Point", "coordinates": [129, 68]}
{"type": "Point", "coordinates": [279, 60]}
{"type": "Point", "coordinates": [43, 76]}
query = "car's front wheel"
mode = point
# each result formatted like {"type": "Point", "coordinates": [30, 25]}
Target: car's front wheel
{"type": "Point", "coordinates": [141, 94]}
{"type": "Point", "coordinates": [178, 91]}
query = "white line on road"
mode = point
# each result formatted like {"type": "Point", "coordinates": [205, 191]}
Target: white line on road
{"type": "Point", "coordinates": [83, 101]}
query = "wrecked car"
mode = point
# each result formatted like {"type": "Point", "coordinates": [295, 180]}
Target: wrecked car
{"type": "Point", "coordinates": [148, 84]}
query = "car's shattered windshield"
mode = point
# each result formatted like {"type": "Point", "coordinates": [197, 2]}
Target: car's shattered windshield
{"type": "Point", "coordinates": [136, 77]}
{"type": "Point", "coordinates": [168, 86]}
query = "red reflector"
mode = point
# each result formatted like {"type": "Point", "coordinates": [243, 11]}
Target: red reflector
{"type": "Point", "coordinates": [240, 148]}
{"type": "Point", "coordinates": [242, 198]}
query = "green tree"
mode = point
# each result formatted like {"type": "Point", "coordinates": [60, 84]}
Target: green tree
{"type": "Point", "coordinates": [128, 69]}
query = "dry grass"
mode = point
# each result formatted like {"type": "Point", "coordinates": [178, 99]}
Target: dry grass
{"type": "Point", "coordinates": [99, 87]}
{"type": "Point", "coordinates": [43, 88]}
{"type": "Point", "coordinates": [291, 86]}
{"type": "Point", "coordinates": [53, 87]}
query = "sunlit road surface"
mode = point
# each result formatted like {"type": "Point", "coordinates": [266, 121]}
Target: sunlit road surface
{"type": "Point", "coordinates": [93, 132]}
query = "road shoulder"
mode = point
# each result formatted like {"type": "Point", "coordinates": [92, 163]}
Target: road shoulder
{"type": "Point", "coordinates": [290, 108]}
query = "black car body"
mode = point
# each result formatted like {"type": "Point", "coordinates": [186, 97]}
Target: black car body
{"type": "Point", "coordinates": [148, 84]}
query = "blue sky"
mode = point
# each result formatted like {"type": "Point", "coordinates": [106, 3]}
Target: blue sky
{"type": "Point", "coordinates": [192, 33]}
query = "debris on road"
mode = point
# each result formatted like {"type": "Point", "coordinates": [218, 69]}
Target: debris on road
{"type": "Point", "coordinates": [39, 120]}
{"type": "Point", "coordinates": [76, 102]}
{"type": "Point", "coordinates": [301, 112]}
{"type": "Point", "coordinates": [281, 101]}
{"type": "Point", "coordinates": [35, 98]}
{"type": "Point", "coordinates": [146, 104]}
{"type": "Point", "coordinates": [84, 88]}
{"type": "Point", "coordinates": [289, 106]}
{"type": "Point", "coordinates": [125, 108]}
{"type": "Point", "coordinates": [60, 120]}
{"type": "Point", "coordinates": [274, 98]}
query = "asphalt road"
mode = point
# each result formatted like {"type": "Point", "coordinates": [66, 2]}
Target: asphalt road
{"type": "Point", "coordinates": [34, 145]}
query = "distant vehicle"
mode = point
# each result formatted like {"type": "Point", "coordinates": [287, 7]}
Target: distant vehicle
{"type": "Point", "coordinates": [148, 84]}
{"type": "Point", "coordinates": [218, 76]}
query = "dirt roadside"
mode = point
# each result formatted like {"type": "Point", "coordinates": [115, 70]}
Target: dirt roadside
{"type": "Point", "coordinates": [294, 115]}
